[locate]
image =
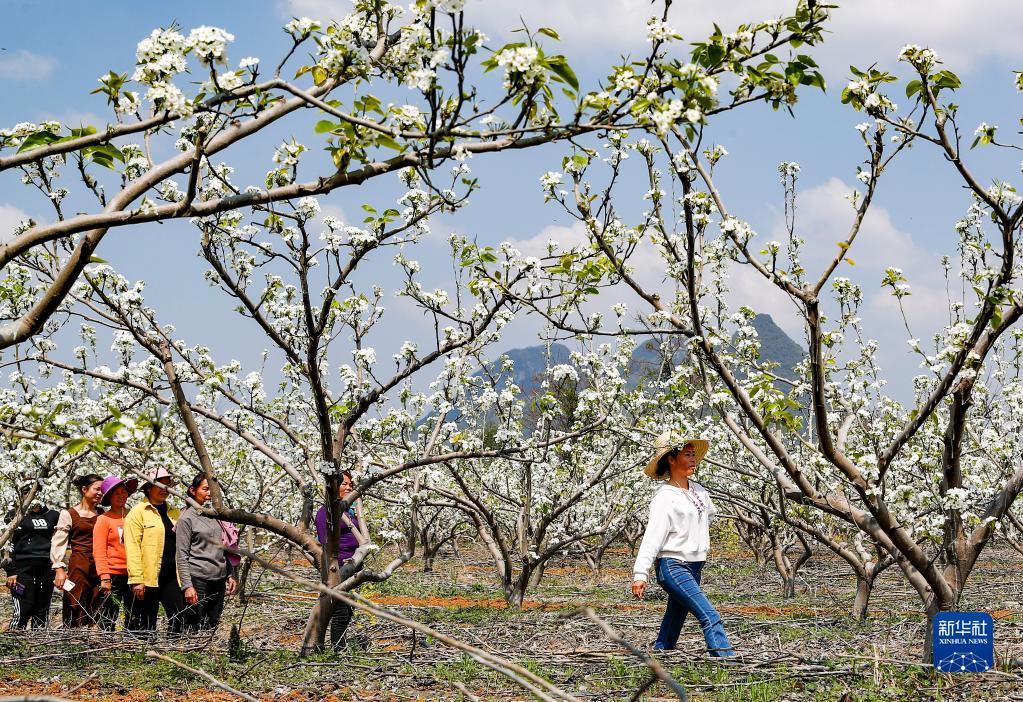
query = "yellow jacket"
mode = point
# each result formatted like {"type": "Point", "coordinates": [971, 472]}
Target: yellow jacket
{"type": "Point", "coordinates": [143, 542]}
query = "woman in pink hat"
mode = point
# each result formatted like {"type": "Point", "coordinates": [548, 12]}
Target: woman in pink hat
{"type": "Point", "coordinates": [108, 551]}
{"type": "Point", "coordinates": [76, 575]}
{"type": "Point", "coordinates": [149, 542]}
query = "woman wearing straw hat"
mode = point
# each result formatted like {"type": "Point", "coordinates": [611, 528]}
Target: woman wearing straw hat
{"type": "Point", "coordinates": [108, 551]}
{"type": "Point", "coordinates": [676, 542]}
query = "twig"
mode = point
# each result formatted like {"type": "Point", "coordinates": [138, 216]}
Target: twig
{"type": "Point", "coordinates": [465, 691]}
{"type": "Point", "coordinates": [655, 668]}
{"type": "Point", "coordinates": [521, 676]}
{"type": "Point", "coordinates": [196, 671]}
{"type": "Point", "coordinates": [88, 679]}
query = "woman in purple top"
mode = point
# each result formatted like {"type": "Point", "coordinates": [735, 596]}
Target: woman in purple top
{"type": "Point", "coordinates": [353, 532]}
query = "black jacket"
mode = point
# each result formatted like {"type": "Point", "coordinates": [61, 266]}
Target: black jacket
{"type": "Point", "coordinates": [32, 537]}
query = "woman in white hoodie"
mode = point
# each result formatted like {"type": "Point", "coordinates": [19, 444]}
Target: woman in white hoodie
{"type": "Point", "coordinates": [676, 542]}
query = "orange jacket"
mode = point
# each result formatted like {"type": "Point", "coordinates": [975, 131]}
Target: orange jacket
{"type": "Point", "coordinates": [108, 545]}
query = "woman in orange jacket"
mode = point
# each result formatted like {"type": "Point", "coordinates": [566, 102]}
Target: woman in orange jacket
{"type": "Point", "coordinates": [108, 552]}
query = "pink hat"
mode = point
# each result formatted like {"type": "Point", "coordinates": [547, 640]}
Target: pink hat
{"type": "Point", "coordinates": [158, 473]}
{"type": "Point", "coordinates": [111, 482]}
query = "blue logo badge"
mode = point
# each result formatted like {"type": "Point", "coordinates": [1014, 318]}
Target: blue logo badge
{"type": "Point", "coordinates": [964, 642]}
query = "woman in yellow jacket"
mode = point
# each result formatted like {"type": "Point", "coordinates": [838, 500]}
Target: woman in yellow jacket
{"type": "Point", "coordinates": [149, 549]}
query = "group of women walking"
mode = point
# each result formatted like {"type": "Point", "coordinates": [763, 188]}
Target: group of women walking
{"type": "Point", "coordinates": [106, 558]}
{"type": "Point", "coordinates": [153, 554]}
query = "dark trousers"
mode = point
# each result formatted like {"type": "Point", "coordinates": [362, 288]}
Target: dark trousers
{"type": "Point", "coordinates": [340, 618]}
{"type": "Point", "coordinates": [119, 596]}
{"type": "Point", "coordinates": [205, 614]}
{"type": "Point", "coordinates": [32, 595]}
{"type": "Point", "coordinates": [167, 593]}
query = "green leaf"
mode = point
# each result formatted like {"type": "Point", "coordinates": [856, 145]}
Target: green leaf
{"type": "Point", "coordinates": [388, 142]}
{"type": "Point", "coordinates": [946, 79]}
{"type": "Point", "coordinates": [38, 139]}
{"type": "Point", "coordinates": [715, 52]}
{"type": "Point", "coordinates": [111, 428]}
{"type": "Point", "coordinates": [75, 445]}
{"type": "Point", "coordinates": [559, 66]}
{"type": "Point", "coordinates": [104, 154]}
{"type": "Point", "coordinates": [996, 317]}
{"type": "Point", "coordinates": [913, 87]}
{"type": "Point", "coordinates": [325, 125]}
{"type": "Point", "coordinates": [341, 158]}
{"type": "Point", "coordinates": [80, 132]}
{"type": "Point", "coordinates": [548, 32]}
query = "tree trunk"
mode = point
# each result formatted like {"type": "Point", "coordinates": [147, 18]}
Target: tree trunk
{"type": "Point", "coordinates": [784, 568]}
{"type": "Point", "coordinates": [932, 610]}
{"type": "Point", "coordinates": [864, 588]}
{"type": "Point", "coordinates": [243, 572]}
{"type": "Point", "coordinates": [537, 575]}
{"type": "Point", "coordinates": [319, 618]}
{"type": "Point", "coordinates": [316, 626]}
{"type": "Point", "coordinates": [515, 592]}
{"type": "Point", "coordinates": [429, 556]}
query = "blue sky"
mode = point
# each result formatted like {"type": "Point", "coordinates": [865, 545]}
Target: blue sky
{"type": "Point", "coordinates": [53, 53]}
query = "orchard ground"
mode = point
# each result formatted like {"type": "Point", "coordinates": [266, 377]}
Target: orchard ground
{"type": "Point", "coordinates": [799, 649]}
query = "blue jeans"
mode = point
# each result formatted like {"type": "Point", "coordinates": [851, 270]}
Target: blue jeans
{"type": "Point", "coordinates": [681, 580]}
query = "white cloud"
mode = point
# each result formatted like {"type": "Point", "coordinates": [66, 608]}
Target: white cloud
{"type": "Point", "coordinates": [75, 118]}
{"type": "Point", "coordinates": [10, 217]}
{"type": "Point", "coordinates": [823, 219]}
{"type": "Point", "coordinates": [745, 284]}
{"type": "Point", "coordinates": [24, 66]}
{"type": "Point", "coordinates": [322, 10]}
{"type": "Point", "coordinates": [536, 245]}
{"type": "Point", "coordinates": [861, 32]}
{"type": "Point", "coordinates": [328, 209]}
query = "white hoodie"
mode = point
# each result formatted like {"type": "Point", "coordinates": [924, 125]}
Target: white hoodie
{"type": "Point", "coordinates": [676, 528]}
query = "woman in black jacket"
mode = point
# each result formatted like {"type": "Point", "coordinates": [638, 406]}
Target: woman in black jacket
{"type": "Point", "coordinates": [29, 576]}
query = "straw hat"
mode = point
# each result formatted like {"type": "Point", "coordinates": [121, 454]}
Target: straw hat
{"type": "Point", "coordinates": [669, 441]}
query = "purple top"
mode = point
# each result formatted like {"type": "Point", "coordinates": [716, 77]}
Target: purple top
{"type": "Point", "coordinates": [348, 542]}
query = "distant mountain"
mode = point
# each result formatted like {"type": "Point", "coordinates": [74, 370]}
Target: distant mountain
{"type": "Point", "coordinates": [530, 364]}
{"type": "Point", "coordinates": [648, 361]}
{"type": "Point", "coordinates": [776, 345]}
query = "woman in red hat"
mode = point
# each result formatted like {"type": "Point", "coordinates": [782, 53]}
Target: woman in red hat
{"type": "Point", "coordinates": [108, 551]}
{"type": "Point", "coordinates": [76, 575]}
